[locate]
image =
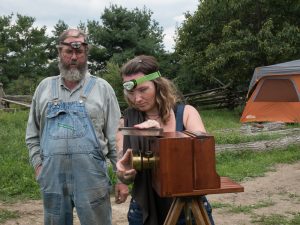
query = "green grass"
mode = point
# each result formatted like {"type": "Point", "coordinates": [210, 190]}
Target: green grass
{"type": "Point", "coordinates": [241, 165]}
{"type": "Point", "coordinates": [225, 127]}
{"type": "Point", "coordinates": [272, 219]}
{"type": "Point", "coordinates": [277, 219]}
{"type": "Point", "coordinates": [7, 215]}
{"type": "Point", "coordinates": [219, 205]}
{"type": "Point", "coordinates": [17, 180]}
{"type": "Point", "coordinates": [250, 208]}
{"type": "Point", "coordinates": [220, 119]}
{"type": "Point", "coordinates": [112, 175]}
{"type": "Point", "coordinates": [235, 137]}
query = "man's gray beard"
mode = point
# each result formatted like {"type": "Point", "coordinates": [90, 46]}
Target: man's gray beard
{"type": "Point", "coordinates": [72, 74]}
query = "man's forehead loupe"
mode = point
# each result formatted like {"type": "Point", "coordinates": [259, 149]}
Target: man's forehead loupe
{"type": "Point", "coordinates": [75, 44]}
{"type": "Point", "coordinates": [129, 85]}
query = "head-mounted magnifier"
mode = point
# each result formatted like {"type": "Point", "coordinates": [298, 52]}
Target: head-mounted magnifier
{"type": "Point", "coordinates": [75, 44]}
{"type": "Point", "coordinates": [129, 85]}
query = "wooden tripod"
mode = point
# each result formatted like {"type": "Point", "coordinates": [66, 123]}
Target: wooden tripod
{"type": "Point", "coordinates": [188, 204]}
{"type": "Point", "coordinates": [193, 204]}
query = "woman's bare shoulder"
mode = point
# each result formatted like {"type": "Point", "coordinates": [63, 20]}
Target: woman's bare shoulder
{"type": "Point", "coordinates": [190, 108]}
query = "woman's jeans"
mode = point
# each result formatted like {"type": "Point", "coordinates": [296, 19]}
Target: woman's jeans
{"type": "Point", "coordinates": [135, 216]}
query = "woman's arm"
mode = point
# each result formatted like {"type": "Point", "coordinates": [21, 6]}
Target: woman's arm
{"type": "Point", "coordinates": [192, 120]}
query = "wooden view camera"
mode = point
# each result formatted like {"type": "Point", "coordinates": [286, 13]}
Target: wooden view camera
{"type": "Point", "coordinates": [182, 163]}
{"type": "Point", "coordinates": [183, 166]}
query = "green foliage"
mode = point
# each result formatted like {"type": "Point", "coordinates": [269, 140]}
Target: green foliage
{"type": "Point", "coordinates": [112, 175]}
{"type": "Point", "coordinates": [22, 51]}
{"type": "Point", "coordinates": [250, 208]}
{"type": "Point", "coordinates": [272, 219]}
{"type": "Point", "coordinates": [112, 76]}
{"type": "Point", "coordinates": [27, 54]}
{"type": "Point", "coordinates": [277, 219]}
{"type": "Point", "coordinates": [123, 34]}
{"type": "Point", "coordinates": [17, 176]}
{"type": "Point", "coordinates": [215, 120]}
{"type": "Point", "coordinates": [225, 126]}
{"type": "Point", "coordinates": [296, 219]}
{"type": "Point", "coordinates": [222, 40]}
{"type": "Point", "coordinates": [278, 45]}
{"type": "Point", "coordinates": [7, 215]}
{"type": "Point", "coordinates": [59, 27]}
{"type": "Point", "coordinates": [241, 165]}
{"type": "Point", "coordinates": [23, 84]}
{"type": "Point", "coordinates": [235, 137]}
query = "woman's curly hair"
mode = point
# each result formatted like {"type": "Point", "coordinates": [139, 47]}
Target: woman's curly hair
{"type": "Point", "coordinates": [167, 94]}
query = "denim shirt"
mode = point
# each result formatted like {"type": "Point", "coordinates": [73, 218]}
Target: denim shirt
{"type": "Point", "coordinates": [102, 107]}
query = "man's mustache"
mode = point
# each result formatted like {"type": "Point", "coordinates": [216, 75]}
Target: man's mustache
{"type": "Point", "coordinates": [73, 63]}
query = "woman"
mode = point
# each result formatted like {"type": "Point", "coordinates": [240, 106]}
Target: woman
{"type": "Point", "coordinates": [152, 102]}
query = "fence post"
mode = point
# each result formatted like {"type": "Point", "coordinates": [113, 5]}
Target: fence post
{"type": "Point", "coordinates": [1, 91]}
{"type": "Point", "coordinates": [1, 96]}
{"type": "Point", "coordinates": [3, 104]}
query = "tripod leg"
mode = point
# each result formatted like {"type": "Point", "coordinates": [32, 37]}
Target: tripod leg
{"type": "Point", "coordinates": [200, 216]}
{"type": "Point", "coordinates": [174, 212]}
{"type": "Point", "coordinates": [203, 212]}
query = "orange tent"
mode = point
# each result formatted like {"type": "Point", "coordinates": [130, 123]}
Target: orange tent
{"type": "Point", "coordinates": [274, 94]}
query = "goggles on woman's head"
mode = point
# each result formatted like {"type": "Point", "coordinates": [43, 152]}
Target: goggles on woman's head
{"type": "Point", "coordinates": [131, 84]}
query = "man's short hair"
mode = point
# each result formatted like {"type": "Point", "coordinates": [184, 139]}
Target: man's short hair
{"type": "Point", "coordinates": [72, 33]}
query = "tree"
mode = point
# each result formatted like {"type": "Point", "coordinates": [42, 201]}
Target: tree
{"type": "Point", "coordinates": [222, 41]}
{"type": "Point", "coordinates": [23, 52]}
{"type": "Point", "coordinates": [122, 35]}
{"type": "Point", "coordinates": [27, 54]}
{"type": "Point", "coordinates": [112, 76]}
{"type": "Point", "coordinates": [4, 35]}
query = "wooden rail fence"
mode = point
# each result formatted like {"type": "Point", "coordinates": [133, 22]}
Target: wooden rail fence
{"type": "Point", "coordinates": [6, 100]}
{"type": "Point", "coordinates": [217, 98]}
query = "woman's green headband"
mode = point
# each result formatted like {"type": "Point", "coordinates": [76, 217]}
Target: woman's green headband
{"type": "Point", "coordinates": [129, 85]}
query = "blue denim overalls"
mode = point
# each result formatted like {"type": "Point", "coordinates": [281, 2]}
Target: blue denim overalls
{"type": "Point", "coordinates": [74, 171]}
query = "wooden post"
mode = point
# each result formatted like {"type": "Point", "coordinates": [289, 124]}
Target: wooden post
{"type": "Point", "coordinates": [2, 94]}
{"type": "Point", "coordinates": [3, 104]}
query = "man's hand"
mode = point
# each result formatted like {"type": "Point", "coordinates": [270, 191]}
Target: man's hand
{"type": "Point", "coordinates": [121, 193]}
{"type": "Point", "coordinates": [38, 170]}
{"type": "Point", "coordinates": [125, 172]}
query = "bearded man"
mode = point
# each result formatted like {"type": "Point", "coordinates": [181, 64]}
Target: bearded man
{"type": "Point", "coordinates": [70, 133]}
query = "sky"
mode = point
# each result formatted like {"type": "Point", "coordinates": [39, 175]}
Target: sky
{"type": "Point", "coordinates": [168, 13]}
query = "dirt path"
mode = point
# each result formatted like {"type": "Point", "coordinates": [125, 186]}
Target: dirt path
{"type": "Point", "coordinates": [276, 193]}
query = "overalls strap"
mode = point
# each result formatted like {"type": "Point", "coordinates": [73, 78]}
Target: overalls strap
{"type": "Point", "coordinates": [54, 89]}
{"type": "Point", "coordinates": [179, 109]}
{"type": "Point", "coordinates": [88, 87]}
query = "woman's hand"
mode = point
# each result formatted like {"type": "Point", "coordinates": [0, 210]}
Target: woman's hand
{"type": "Point", "coordinates": [148, 124]}
{"type": "Point", "coordinates": [125, 171]}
